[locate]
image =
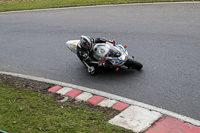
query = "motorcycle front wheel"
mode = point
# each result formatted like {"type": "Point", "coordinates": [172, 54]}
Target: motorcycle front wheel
{"type": "Point", "coordinates": [134, 64]}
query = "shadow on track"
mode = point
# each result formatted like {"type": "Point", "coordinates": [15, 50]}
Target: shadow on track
{"type": "Point", "coordinates": [111, 72]}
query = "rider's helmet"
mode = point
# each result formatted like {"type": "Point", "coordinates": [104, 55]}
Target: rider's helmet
{"type": "Point", "coordinates": [86, 42]}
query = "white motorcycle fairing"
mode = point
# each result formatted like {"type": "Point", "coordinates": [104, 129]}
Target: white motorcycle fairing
{"type": "Point", "coordinates": [104, 52]}
{"type": "Point", "coordinates": [117, 55]}
{"type": "Point", "coordinates": [72, 45]}
{"type": "Point", "coordinates": [107, 55]}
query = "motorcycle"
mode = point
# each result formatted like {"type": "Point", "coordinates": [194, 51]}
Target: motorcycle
{"type": "Point", "coordinates": [107, 55]}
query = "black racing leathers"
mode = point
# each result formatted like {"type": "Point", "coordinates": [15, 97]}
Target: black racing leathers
{"type": "Point", "coordinates": [83, 54]}
{"type": "Point", "coordinates": [100, 40]}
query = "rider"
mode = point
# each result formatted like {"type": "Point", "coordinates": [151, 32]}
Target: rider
{"type": "Point", "coordinates": [84, 48]}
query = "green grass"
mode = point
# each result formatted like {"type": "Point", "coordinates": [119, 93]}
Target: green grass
{"type": "Point", "coordinates": [24, 111]}
{"type": "Point", "coordinates": [12, 5]}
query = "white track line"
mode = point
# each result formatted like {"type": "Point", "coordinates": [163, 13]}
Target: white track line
{"type": "Point", "coordinates": [108, 95]}
{"type": "Point", "coordinates": [95, 6]}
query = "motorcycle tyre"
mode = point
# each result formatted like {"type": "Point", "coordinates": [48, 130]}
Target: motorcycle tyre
{"type": "Point", "coordinates": [134, 64]}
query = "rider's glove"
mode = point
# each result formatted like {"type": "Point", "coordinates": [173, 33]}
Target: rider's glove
{"type": "Point", "coordinates": [85, 56]}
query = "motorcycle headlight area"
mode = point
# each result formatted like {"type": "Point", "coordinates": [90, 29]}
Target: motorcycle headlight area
{"type": "Point", "coordinates": [123, 57]}
{"type": "Point", "coordinates": [119, 60]}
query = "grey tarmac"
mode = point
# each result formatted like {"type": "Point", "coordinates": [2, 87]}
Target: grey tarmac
{"type": "Point", "coordinates": [164, 37]}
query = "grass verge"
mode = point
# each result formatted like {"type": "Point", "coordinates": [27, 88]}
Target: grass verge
{"type": "Point", "coordinates": [12, 5]}
{"type": "Point", "coordinates": [25, 111]}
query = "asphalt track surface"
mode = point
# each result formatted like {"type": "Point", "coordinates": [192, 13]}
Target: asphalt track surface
{"type": "Point", "coordinates": [165, 38]}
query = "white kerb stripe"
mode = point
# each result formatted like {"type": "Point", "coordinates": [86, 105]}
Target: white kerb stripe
{"type": "Point", "coordinates": [64, 90]}
{"type": "Point", "coordinates": [136, 118]}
